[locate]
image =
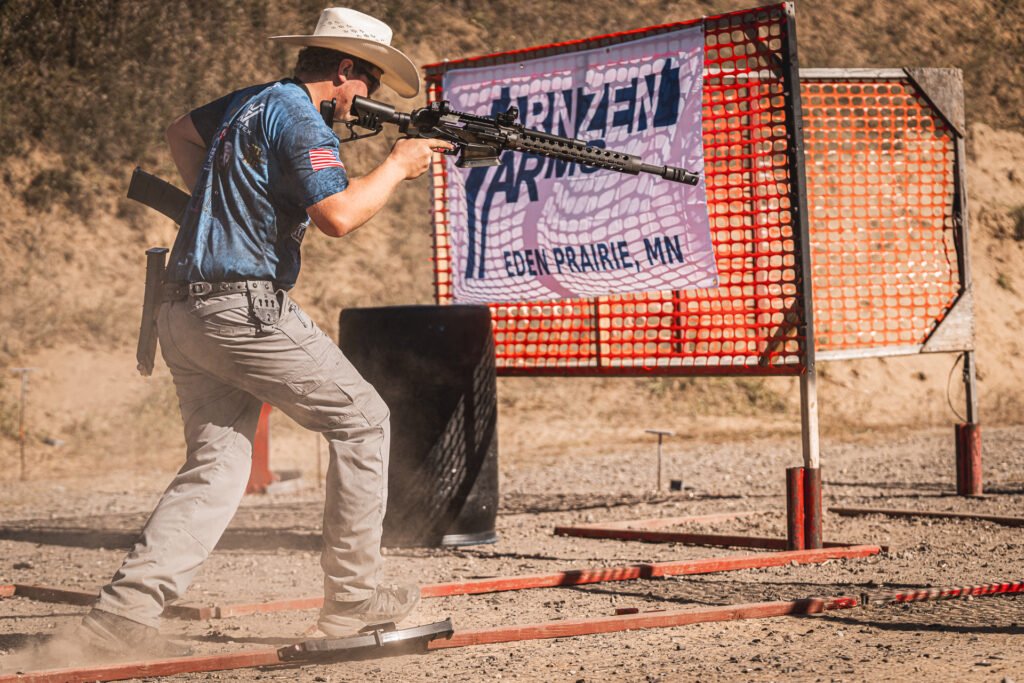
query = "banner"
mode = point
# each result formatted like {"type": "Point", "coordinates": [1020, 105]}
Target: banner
{"type": "Point", "coordinates": [537, 228]}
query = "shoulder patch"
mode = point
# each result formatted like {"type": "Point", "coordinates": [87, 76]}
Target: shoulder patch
{"type": "Point", "coordinates": [324, 158]}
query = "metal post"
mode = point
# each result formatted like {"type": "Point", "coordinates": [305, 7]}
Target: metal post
{"type": "Point", "coordinates": [968, 437]}
{"type": "Point", "coordinates": [798, 181]}
{"type": "Point", "coordinates": [970, 387]}
{"type": "Point", "coordinates": [21, 413]}
{"type": "Point", "coordinates": [968, 460]}
{"type": "Point", "coordinates": [795, 508]}
{"type": "Point", "coordinates": [812, 508]}
{"type": "Point", "coordinates": [661, 434]}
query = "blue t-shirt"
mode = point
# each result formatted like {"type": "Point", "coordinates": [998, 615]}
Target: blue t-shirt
{"type": "Point", "coordinates": [271, 156]}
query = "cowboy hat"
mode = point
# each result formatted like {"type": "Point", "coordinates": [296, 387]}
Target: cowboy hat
{"type": "Point", "coordinates": [369, 39]}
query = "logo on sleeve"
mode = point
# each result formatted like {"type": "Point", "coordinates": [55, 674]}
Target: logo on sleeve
{"type": "Point", "coordinates": [253, 110]}
{"type": "Point", "coordinates": [324, 158]}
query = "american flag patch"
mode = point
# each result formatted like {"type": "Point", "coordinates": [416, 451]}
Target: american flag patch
{"type": "Point", "coordinates": [323, 158]}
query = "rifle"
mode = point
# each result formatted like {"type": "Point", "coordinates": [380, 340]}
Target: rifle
{"type": "Point", "coordinates": [480, 139]}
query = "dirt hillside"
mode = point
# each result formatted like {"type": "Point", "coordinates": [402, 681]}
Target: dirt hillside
{"type": "Point", "coordinates": [83, 108]}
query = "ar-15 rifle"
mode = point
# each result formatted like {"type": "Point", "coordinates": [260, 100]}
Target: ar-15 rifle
{"type": "Point", "coordinates": [480, 139]}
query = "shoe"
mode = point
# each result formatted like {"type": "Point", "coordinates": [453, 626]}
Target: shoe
{"type": "Point", "coordinates": [122, 637]}
{"type": "Point", "coordinates": [387, 604]}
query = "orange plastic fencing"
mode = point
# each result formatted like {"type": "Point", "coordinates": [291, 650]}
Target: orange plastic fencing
{"type": "Point", "coordinates": [881, 178]}
{"type": "Point", "coordinates": [881, 167]}
{"type": "Point", "coordinates": [752, 322]}
{"type": "Point", "coordinates": [881, 175]}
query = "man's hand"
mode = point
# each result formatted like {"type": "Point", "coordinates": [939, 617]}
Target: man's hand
{"type": "Point", "coordinates": [413, 155]}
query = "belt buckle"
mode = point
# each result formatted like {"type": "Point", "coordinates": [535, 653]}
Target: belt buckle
{"type": "Point", "coordinates": [199, 288]}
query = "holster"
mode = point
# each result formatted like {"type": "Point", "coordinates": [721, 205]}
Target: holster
{"type": "Point", "coordinates": [265, 307]}
{"type": "Point", "coordinates": [145, 354]}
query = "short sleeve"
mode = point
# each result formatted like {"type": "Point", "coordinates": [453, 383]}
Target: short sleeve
{"type": "Point", "coordinates": [306, 149]}
{"type": "Point", "coordinates": [208, 118]}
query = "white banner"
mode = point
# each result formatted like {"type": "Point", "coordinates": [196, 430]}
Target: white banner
{"type": "Point", "coordinates": [536, 228]}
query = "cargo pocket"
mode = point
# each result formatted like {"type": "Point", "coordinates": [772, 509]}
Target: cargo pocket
{"type": "Point", "coordinates": [311, 370]}
{"type": "Point", "coordinates": [362, 393]}
{"type": "Point", "coordinates": [329, 389]}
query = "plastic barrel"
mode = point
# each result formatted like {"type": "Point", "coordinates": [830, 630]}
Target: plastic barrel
{"type": "Point", "coordinates": [434, 367]}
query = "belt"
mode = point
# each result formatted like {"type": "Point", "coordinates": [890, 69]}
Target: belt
{"type": "Point", "coordinates": [176, 291]}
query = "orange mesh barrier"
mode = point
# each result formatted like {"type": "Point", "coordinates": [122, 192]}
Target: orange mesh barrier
{"type": "Point", "coordinates": [881, 175]}
{"type": "Point", "coordinates": [753, 322]}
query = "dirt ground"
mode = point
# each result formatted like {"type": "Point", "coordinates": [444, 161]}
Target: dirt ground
{"type": "Point", "coordinates": [570, 450]}
{"type": "Point", "coordinates": [269, 553]}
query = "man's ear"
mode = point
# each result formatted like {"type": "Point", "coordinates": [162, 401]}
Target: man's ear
{"type": "Point", "coordinates": [344, 70]}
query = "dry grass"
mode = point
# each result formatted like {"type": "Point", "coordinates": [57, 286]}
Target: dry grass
{"type": "Point", "coordinates": [91, 102]}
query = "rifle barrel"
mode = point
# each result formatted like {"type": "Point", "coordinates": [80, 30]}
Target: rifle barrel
{"type": "Point", "coordinates": [679, 175]}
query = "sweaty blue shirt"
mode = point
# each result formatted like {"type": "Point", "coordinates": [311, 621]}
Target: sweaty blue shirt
{"type": "Point", "coordinates": [271, 156]}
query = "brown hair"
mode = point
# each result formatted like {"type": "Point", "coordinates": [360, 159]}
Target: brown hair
{"type": "Point", "coordinates": [321, 63]}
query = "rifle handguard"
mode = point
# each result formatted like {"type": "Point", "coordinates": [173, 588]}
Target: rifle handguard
{"type": "Point", "coordinates": [568, 149]}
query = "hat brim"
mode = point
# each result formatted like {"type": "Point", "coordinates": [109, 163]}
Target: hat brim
{"type": "Point", "coordinates": [397, 71]}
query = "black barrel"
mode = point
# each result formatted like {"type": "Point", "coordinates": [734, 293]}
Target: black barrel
{"type": "Point", "coordinates": [434, 367]}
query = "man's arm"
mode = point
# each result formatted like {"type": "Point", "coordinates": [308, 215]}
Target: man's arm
{"type": "Point", "coordinates": [343, 212]}
{"type": "Point", "coordinates": [187, 148]}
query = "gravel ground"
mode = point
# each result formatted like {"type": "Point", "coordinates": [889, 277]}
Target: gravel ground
{"type": "Point", "coordinates": [73, 534]}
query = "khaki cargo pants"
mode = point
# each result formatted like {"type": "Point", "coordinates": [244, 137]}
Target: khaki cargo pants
{"type": "Point", "coordinates": [223, 372]}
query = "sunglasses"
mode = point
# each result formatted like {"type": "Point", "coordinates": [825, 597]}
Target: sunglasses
{"type": "Point", "coordinates": [372, 81]}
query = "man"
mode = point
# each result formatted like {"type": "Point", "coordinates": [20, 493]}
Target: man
{"type": "Point", "coordinates": [262, 162]}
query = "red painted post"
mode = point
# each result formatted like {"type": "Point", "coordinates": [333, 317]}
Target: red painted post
{"type": "Point", "coordinates": [260, 476]}
{"type": "Point", "coordinates": [795, 508]}
{"type": "Point", "coordinates": [812, 508]}
{"type": "Point", "coordinates": [968, 460]}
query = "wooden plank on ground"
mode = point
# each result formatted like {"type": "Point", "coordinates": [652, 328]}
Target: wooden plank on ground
{"type": "Point", "coordinates": [629, 622]}
{"type": "Point", "coordinates": [709, 565]}
{"type": "Point", "coordinates": [573, 577]}
{"type": "Point", "coordinates": [72, 596]}
{"type": "Point", "coordinates": [66, 596]}
{"type": "Point", "coordinates": [163, 667]}
{"type": "Point", "coordinates": [500, 634]}
{"type": "Point", "coordinates": [673, 537]}
{"type": "Point", "coordinates": [938, 514]}
{"type": "Point", "coordinates": [221, 611]}
{"type": "Point", "coordinates": [661, 522]}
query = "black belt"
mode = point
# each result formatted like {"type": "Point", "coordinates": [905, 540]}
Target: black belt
{"type": "Point", "coordinates": [176, 291]}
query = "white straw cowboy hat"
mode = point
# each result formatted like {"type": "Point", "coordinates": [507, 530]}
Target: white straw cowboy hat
{"type": "Point", "coordinates": [360, 35]}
